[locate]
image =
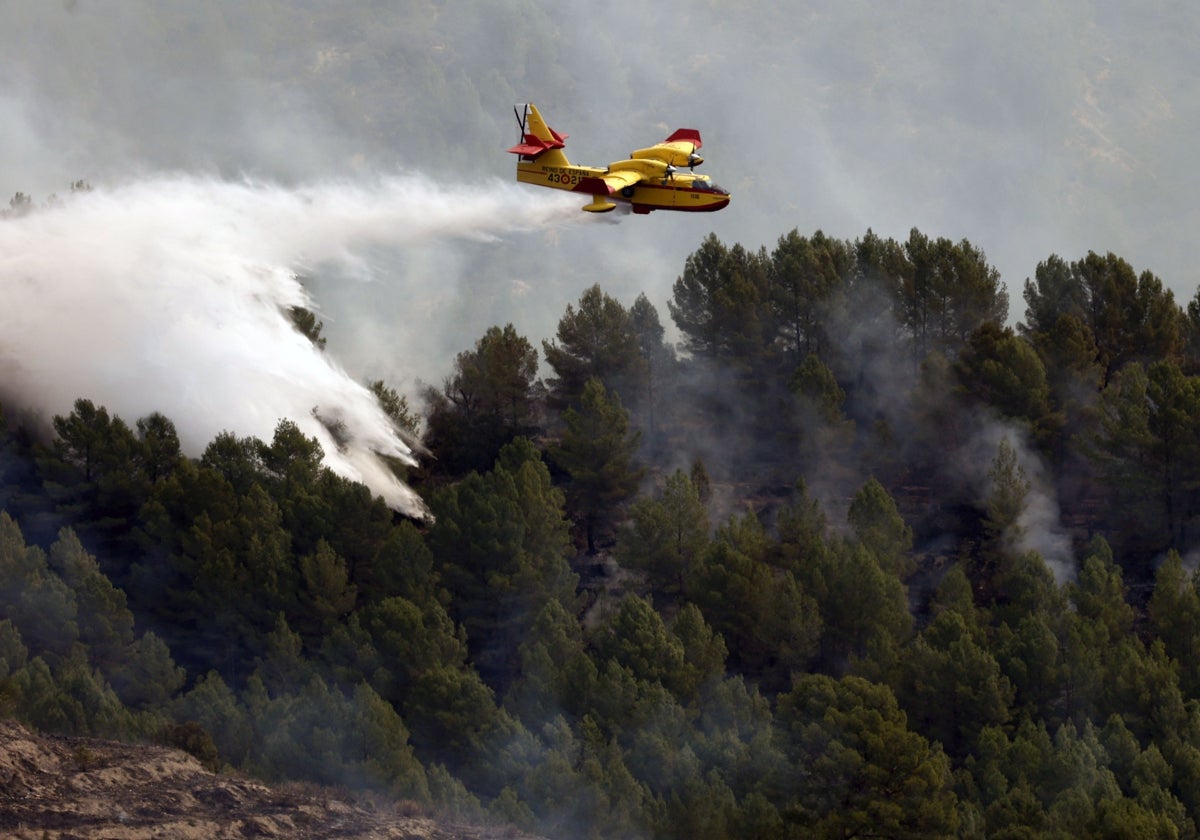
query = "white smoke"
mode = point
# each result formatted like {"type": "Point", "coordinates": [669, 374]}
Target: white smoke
{"type": "Point", "coordinates": [171, 294]}
{"type": "Point", "coordinates": [1039, 527]}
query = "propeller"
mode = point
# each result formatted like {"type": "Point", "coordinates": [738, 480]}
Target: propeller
{"type": "Point", "coordinates": [521, 119]}
{"type": "Point", "coordinates": [669, 174]}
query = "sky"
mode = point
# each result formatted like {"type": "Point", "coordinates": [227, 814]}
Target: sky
{"type": "Point", "coordinates": [1028, 128]}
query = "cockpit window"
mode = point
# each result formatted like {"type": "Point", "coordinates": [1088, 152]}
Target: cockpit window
{"type": "Point", "coordinates": [704, 185]}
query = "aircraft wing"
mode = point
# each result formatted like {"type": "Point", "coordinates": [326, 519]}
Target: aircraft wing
{"type": "Point", "coordinates": [618, 179]}
{"type": "Point", "coordinates": [677, 150]}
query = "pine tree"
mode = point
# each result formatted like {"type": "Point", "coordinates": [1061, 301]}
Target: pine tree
{"type": "Point", "coordinates": [105, 622]}
{"type": "Point", "coordinates": [597, 340]}
{"type": "Point", "coordinates": [805, 274]}
{"type": "Point", "coordinates": [501, 544]}
{"type": "Point", "coordinates": [948, 292]}
{"type": "Point", "coordinates": [879, 527]}
{"type": "Point", "coordinates": [863, 770]}
{"type": "Point", "coordinates": [653, 407]}
{"type": "Point", "coordinates": [1174, 613]}
{"type": "Point", "coordinates": [722, 305]}
{"type": "Point", "coordinates": [597, 452]}
{"type": "Point", "coordinates": [665, 536]}
{"type": "Point", "coordinates": [992, 563]}
{"type": "Point", "coordinates": [41, 606]}
{"type": "Point", "coordinates": [148, 678]}
{"type": "Point", "coordinates": [490, 398]}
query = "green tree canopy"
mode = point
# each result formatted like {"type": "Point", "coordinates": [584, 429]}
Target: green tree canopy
{"type": "Point", "coordinates": [500, 543]}
{"type": "Point", "coordinates": [805, 272]}
{"type": "Point", "coordinates": [1132, 317]}
{"type": "Point", "coordinates": [489, 399]}
{"type": "Point", "coordinates": [1003, 371]}
{"type": "Point", "coordinates": [859, 769]}
{"type": "Point", "coordinates": [722, 304]}
{"type": "Point", "coordinates": [596, 340]}
{"type": "Point", "coordinates": [879, 527]}
{"type": "Point", "coordinates": [665, 536]}
{"type": "Point", "coordinates": [946, 291]}
{"type": "Point", "coordinates": [597, 451]}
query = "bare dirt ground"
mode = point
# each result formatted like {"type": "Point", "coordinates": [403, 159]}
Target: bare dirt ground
{"type": "Point", "coordinates": [57, 788]}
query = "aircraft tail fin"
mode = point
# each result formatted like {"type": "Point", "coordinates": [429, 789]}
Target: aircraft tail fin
{"type": "Point", "coordinates": [538, 140]}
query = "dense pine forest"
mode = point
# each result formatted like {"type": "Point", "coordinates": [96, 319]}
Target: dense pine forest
{"type": "Point", "coordinates": [848, 555]}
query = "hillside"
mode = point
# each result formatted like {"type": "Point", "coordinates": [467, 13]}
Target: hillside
{"type": "Point", "coordinates": [54, 788]}
{"type": "Point", "coordinates": [858, 559]}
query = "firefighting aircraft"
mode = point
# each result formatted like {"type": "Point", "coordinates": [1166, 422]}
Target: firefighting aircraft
{"type": "Point", "coordinates": [648, 180]}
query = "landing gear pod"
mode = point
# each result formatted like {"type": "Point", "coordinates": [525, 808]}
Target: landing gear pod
{"type": "Point", "coordinates": [599, 205]}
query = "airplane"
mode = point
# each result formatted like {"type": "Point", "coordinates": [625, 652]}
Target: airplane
{"type": "Point", "coordinates": [648, 180]}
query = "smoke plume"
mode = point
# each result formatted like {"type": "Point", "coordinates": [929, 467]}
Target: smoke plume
{"type": "Point", "coordinates": [172, 294]}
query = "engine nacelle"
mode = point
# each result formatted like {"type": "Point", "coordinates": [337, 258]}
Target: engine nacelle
{"type": "Point", "coordinates": [675, 157]}
{"type": "Point", "coordinates": [649, 167]}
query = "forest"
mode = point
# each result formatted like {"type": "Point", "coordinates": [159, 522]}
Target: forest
{"type": "Point", "coordinates": [852, 557]}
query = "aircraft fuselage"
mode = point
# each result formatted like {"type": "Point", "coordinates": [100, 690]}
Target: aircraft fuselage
{"type": "Point", "coordinates": [664, 191]}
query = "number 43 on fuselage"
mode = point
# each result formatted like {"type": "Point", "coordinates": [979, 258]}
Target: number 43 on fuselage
{"type": "Point", "coordinates": [649, 180]}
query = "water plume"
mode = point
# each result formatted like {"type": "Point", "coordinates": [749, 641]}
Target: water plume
{"type": "Point", "coordinates": [173, 293]}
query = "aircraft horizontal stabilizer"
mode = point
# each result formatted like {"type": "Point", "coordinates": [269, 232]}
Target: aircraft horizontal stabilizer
{"type": "Point", "coordinates": [537, 138]}
{"type": "Point", "coordinates": [532, 146]}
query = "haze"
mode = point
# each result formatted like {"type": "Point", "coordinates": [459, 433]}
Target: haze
{"type": "Point", "coordinates": [1030, 129]}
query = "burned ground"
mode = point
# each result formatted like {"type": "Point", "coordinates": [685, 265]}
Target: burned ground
{"type": "Point", "coordinates": [59, 788]}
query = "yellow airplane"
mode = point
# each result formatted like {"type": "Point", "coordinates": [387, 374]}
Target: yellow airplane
{"type": "Point", "coordinates": [648, 180]}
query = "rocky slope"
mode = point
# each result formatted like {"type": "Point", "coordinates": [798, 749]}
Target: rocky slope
{"type": "Point", "coordinates": [58, 788]}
